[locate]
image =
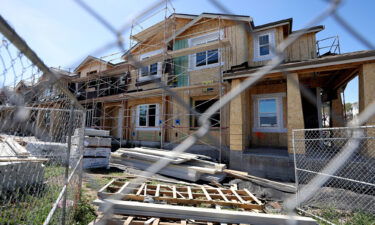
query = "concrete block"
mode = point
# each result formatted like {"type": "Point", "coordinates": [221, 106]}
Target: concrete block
{"type": "Point", "coordinates": [92, 132]}
{"type": "Point", "coordinates": [90, 163]}
{"type": "Point", "coordinates": [97, 152]}
{"type": "Point", "coordinates": [93, 141]}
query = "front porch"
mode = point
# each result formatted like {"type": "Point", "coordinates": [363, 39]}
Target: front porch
{"type": "Point", "coordinates": [261, 139]}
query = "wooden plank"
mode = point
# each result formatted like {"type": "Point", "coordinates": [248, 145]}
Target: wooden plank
{"type": "Point", "coordinates": [237, 195]}
{"type": "Point", "coordinates": [252, 196]}
{"type": "Point", "coordinates": [157, 193]}
{"type": "Point", "coordinates": [206, 193]}
{"type": "Point", "coordinates": [140, 189]}
{"type": "Point", "coordinates": [222, 195]}
{"type": "Point", "coordinates": [174, 191]}
{"type": "Point", "coordinates": [147, 222]}
{"type": "Point", "coordinates": [189, 193]}
{"type": "Point", "coordinates": [156, 221]}
{"type": "Point", "coordinates": [128, 220]}
{"type": "Point", "coordinates": [123, 187]}
{"type": "Point", "coordinates": [201, 214]}
{"type": "Point", "coordinates": [169, 200]}
{"type": "Point", "coordinates": [145, 190]}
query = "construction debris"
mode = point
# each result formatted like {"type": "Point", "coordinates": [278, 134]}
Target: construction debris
{"type": "Point", "coordinates": [151, 202]}
{"type": "Point", "coordinates": [185, 166]}
{"type": "Point", "coordinates": [261, 181]}
{"type": "Point", "coordinates": [97, 148]}
{"type": "Point", "coordinates": [182, 195]}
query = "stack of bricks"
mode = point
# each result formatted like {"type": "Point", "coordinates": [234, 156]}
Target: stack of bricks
{"type": "Point", "coordinates": [97, 148]}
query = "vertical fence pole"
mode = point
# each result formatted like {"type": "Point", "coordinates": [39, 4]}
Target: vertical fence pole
{"type": "Point", "coordinates": [81, 150]}
{"type": "Point", "coordinates": [295, 164]}
{"type": "Point", "coordinates": [69, 140]}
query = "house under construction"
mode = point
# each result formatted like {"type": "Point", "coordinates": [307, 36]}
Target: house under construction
{"type": "Point", "coordinates": [200, 58]}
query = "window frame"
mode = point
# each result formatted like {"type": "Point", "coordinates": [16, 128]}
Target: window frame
{"type": "Point", "coordinates": [194, 120]}
{"type": "Point", "coordinates": [280, 128]}
{"type": "Point", "coordinates": [147, 127]}
{"type": "Point", "coordinates": [200, 40]}
{"type": "Point", "coordinates": [257, 45]}
{"type": "Point", "coordinates": [141, 77]}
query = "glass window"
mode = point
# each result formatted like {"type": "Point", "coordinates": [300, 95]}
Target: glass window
{"type": "Point", "coordinates": [264, 45]}
{"type": "Point", "coordinates": [142, 116]}
{"type": "Point", "coordinates": [267, 112]}
{"type": "Point", "coordinates": [144, 71]}
{"type": "Point", "coordinates": [147, 115]}
{"type": "Point", "coordinates": [213, 56]}
{"type": "Point", "coordinates": [154, 69]}
{"type": "Point", "coordinates": [152, 115]}
{"type": "Point", "coordinates": [200, 59]}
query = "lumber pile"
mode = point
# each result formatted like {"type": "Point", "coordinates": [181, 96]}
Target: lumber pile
{"type": "Point", "coordinates": [261, 181]}
{"type": "Point", "coordinates": [18, 168]}
{"type": "Point", "coordinates": [186, 166]}
{"type": "Point", "coordinates": [180, 203]}
{"type": "Point", "coordinates": [96, 147]}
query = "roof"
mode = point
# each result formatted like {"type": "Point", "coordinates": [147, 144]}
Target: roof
{"type": "Point", "coordinates": [346, 58]}
{"type": "Point", "coordinates": [288, 22]}
{"type": "Point", "coordinates": [90, 58]}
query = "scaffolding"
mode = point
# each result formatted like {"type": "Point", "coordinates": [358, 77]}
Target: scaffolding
{"type": "Point", "coordinates": [107, 98]}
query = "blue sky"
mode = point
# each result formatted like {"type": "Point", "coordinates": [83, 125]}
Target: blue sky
{"type": "Point", "coordinates": [62, 33]}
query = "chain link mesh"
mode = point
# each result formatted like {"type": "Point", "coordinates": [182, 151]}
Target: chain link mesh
{"type": "Point", "coordinates": [27, 110]}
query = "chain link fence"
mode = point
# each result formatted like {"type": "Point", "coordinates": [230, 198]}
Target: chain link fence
{"type": "Point", "coordinates": [40, 156]}
{"type": "Point", "coordinates": [349, 191]}
{"type": "Point", "coordinates": [50, 195]}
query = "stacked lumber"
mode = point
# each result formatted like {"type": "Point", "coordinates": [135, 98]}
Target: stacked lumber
{"type": "Point", "coordinates": [186, 166]}
{"type": "Point", "coordinates": [97, 147]}
{"type": "Point", "coordinates": [18, 168]}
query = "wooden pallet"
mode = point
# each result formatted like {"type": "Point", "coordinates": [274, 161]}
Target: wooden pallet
{"type": "Point", "coordinates": [202, 196]}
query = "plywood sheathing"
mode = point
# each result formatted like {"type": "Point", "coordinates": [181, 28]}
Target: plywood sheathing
{"type": "Point", "coordinates": [294, 111]}
{"type": "Point", "coordinates": [237, 131]}
{"type": "Point", "coordinates": [268, 139]}
{"type": "Point", "coordinates": [366, 97]}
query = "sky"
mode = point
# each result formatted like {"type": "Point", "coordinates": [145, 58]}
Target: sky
{"type": "Point", "coordinates": [62, 33]}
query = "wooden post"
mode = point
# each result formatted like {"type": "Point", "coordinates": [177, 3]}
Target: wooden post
{"type": "Point", "coordinates": [366, 87]}
{"type": "Point", "coordinates": [337, 114]}
{"type": "Point", "coordinates": [294, 111]}
{"type": "Point", "coordinates": [237, 115]}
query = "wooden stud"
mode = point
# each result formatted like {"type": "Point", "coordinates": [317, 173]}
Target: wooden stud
{"type": "Point", "coordinates": [140, 189]}
{"type": "Point", "coordinates": [252, 196]}
{"type": "Point", "coordinates": [222, 195]}
{"type": "Point", "coordinates": [206, 193]}
{"type": "Point", "coordinates": [238, 197]}
{"type": "Point", "coordinates": [157, 193]}
{"type": "Point", "coordinates": [189, 193]}
{"type": "Point", "coordinates": [128, 220]}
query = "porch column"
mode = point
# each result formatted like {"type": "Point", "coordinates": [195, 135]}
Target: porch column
{"type": "Point", "coordinates": [366, 88]}
{"type": "Point", "coordinates": [237, 120]}
{"type": "Point", "coordinates": [337, 114]}
{"type": "Point", "coordinates": [294, 112]}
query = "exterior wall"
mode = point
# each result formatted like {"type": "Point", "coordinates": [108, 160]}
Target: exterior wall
{"type": "Point", "coordinates": [93, 65]}
{"type": "Point", "coordinates": [303, 48]}
{"type": "Point", "coordinates": [177, 132]}
{"type": "Point", "coordinates": [268, 139]}
{"type": "Point", "coordinates": [136, 134]}
{"type": "Point", "coordinates": [279, 37]}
